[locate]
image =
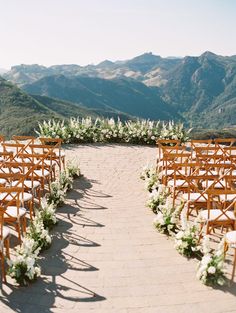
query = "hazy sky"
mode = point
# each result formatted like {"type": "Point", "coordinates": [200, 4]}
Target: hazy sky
{"type": "Point", "coordinates": [88, 31]}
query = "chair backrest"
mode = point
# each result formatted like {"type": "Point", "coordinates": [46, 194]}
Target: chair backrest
{"type": "Point", "coordinates": [200, 143]}
{"type": "Point", "coordinates": [12, 149]}
{"type": "Point", "coordinates": [11, 196]}
{"type": "Point", "coordinates": [225, 141]}
{"type": "Point", "coordinates": [19, 139]}
{"type": "Point", "coordinates": [166, 142]}
{"type": "Point", "coordinates": [222, 199]}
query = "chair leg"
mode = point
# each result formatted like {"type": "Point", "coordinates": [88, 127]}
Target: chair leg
{"type": "Point", "coordinates": [3, 268]}
{"type": "Point", "coordinates": [234, 265]}
{"type": "Point", "coordinates": [7, 246]}
{"type": "Point", "coordinates": [18, 229]}
{"type": "Point", "coordinates": [30, 203]}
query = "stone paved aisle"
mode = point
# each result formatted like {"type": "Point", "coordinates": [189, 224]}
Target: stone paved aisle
{"type": "Point", "coordinates": [106, 257]}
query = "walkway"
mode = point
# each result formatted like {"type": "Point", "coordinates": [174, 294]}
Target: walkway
{"type": "Point", "coordinates": [106, 257]}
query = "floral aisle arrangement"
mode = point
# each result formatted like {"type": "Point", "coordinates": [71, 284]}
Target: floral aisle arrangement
{"type": "Point", "coordinates": [65, 181]}
{"type": "Point", "coordinates": [157, 197]}
{"type": "Point", "coordinates": [47, 214]}
{"type": "Point", "coordinates": [167, 217]}
{"type": "Point", "coordinates": [211, 269]}
{"type": "Point", "coordinates": [86, 130]}
{"type": "Point", "coordinates": [56, 195]}
{"type": "Point", "coordinates": [24, 268]}
{"type": "Point", "coordinates": [73, 170]}
{"type": "Point", "coordinates": [188, 237]}
{"type": "Point", "coordinates": [150, 175]}
{"type": "Point", "coordinates": [39, 234]}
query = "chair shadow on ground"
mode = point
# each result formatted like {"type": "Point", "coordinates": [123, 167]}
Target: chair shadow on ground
{"type": "Point", "coordinates": [59, 264]}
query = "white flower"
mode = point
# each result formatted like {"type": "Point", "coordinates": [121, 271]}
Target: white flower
{"type": "Point", "coordinates": [211, 270]}
{"type": "Point", "coordinates": [179, 235]}
{"type": "Point", "coordinates": [220, 281]}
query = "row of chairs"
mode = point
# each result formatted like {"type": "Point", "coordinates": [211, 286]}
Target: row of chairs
{"type": "Point", "coordinates": [27, 167]}
{"type": "Point", "coordinates": [203, 175]}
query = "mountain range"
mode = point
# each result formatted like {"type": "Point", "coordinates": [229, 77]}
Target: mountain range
{"type": "Point", "coordinates": [200, 91]}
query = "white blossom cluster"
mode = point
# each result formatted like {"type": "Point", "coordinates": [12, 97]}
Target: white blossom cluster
{"type": "Point", "coordinates": [211, 269]}
{"type": "Point", "coordinates": [187, 239]}
{"type": "Point", "coordinates": [23, 268]}
{"type": "Point", "coordinates": [167, 217]}
{"type": "Point", "coordinates": [157, 197]}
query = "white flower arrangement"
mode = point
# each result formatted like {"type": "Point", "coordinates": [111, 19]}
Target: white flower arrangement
{"type": "Point", "coordinates": [56, 195]}
{"type": "Point", "coordinates": [40, 235]}
{"type": "Point", "coordinates": [157, 197]}
{"type": "Point", "coordinates": [145, 173]}
{"type": "Point", "coordinates": [211, 269]}
{"type": "Point", "coordinates": [65, 181]}
{"type": "Point", "coordinates": [24, 268]}
{"type": "Point", "coordinates": [167, 217]}
{"type": "Point", "coordinates": [187, 238]}
{"type": "Point", "coordinates": [72, 170]}
{"type": "Point", "coordinates": [47, 213]}
{"type": "Point", "coordinates": [150, 176]}
{"type": "Point", "coordinates": [86, 130]}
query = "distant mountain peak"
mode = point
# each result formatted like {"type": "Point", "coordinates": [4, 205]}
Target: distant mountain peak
{"type": "Point", "coordinates": [105, 62]}
{"type": "Point", "coordinates": [145, 57]}
{"type": "Point", "coordinates": [208, 54]}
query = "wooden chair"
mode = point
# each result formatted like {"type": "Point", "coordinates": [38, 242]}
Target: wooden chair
{"type": "Point", "coordinates": [59, 155]}
{"type": "Point", "coordinates": [163, 143]}
{"type": "Point", "coordinates": [14, 212]}
{"type": "Point", "coordinates": [18, 180]}
{"type": "Point", "coordinates": [29, 183]}
{"type": "Point", "coordinates": [48, 151]}
{"type": "Point", "coordinates": [219, 213]}
{"type": "Point", "coordinates": [195, 183]}
{"type": "Point", "coordinates": [208, 155]}
{"type": "Point", "coordinates": [171, 156]}
{"type": "Point", "coordinates": [4, 243]}
{"type": "Point", "coordinates": [40, 169]}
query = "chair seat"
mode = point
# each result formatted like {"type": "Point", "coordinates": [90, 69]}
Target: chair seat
{"type": "Point", "coordinates": [202, 172]}
{"type": "Point", "coordinates": [230, 238]}
{"type": "Point", "coordinates": [210, 182]}
{"type": "Point", "coordinates": [49, 162]}
{"type": "Point", "coordinates": [228, 198]}
{"type": "Point", "coordinates": [7, 171]}
{"type": "Point", "coordinates": [194, 197]}
{"type": "Point", "coordinates": [214, 214]}
{"type": "Point", "coordinates": [2, 181]}
{"type": "Point", "coordinates": [171, 172]}
{"type": "Point", "coordinates": [63, 154]}
{"type": "Point", "coordinates": [5, 232]}
{"type": "Point", "coordinates": [42, 173]}
{"type": "Point", "coordinates": [26, 196]}
{"type": "Point", "coordinates": [177, 183]}
{"type": "Point", "coordinates": [11, 211]}
{"type": "Point", "coordinates": [27, 183]}
{"type": "Point", "coordinates": [20, 160]}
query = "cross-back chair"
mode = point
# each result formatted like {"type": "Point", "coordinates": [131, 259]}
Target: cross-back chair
{"type": "Point", "coordinates": [14, 212]}
{"type": "Point", "coordinates": [59, 155]}
{"type": "Point", "coordinates": [220, 209]}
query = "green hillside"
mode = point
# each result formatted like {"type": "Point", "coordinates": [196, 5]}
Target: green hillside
{"type": "Point", "coordinates": [121, 95]}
